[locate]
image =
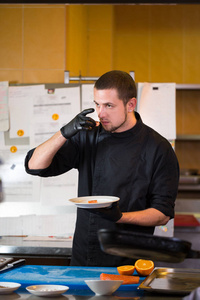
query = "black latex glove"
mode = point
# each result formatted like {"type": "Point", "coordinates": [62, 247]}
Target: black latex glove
{"type": "Point", "coordinates": [111, 213]}
{"type": "Point", "coordinates": [80, 122]}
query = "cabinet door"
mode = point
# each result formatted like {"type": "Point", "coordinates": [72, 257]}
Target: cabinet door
{"type": "Point", "coordinates": [188, 126]}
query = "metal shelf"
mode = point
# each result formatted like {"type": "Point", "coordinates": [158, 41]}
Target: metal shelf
{"type": "Point", "coordinates": [188, 137]}
{"type": "Point", "coordinates": [188, 86]}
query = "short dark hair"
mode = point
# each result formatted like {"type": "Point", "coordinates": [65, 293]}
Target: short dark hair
{"type": "Point", "coordinates": [119, 80]}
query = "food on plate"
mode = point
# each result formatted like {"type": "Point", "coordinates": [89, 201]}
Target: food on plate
{"type": "Point", "coordinates": [92, 201]}
{"type": "Point", "coordinates": [126, 270]}
{"type": "Point", "coordinates": [144, 267]}
{"type": "Point", "coordinates": [127, 279]}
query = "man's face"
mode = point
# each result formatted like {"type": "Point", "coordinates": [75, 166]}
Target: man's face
{"type": "Point", "coordinates": [111, 110]}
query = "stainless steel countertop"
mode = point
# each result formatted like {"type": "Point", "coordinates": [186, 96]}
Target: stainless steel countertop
{"type": "Point", "coordinates": [83, 295]}
{"type": "Point", "coordinates": [17, 246]}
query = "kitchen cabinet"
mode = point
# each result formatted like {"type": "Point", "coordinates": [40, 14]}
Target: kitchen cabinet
{"type": "Point", "coordinates": [187, 148]}
{"type": "Point", "coordinates": [187, 144]}
{"type": "Point", "coordinates": [188, 125]}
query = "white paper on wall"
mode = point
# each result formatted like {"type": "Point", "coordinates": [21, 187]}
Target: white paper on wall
{"type": "Point", "coordinates": [2, 141]}
{"type": "Point", "coordinates": [165, 230]}
{"type": "Point", "coordinates": [38, 225]}
{"type": "Point", "coordinates": [45, 225]}
{"type": "Point", "coordinates": [20, 105]}
{"type": "Point", "coordinates": [51, 111]}
{"type": "Point", "coordinates": [18, 186]}
{"type": "Point", "coordinates": [59, 189]}
{"type": "Point", "coordinates": [4, 111]}
{"type": "Point", "coordinates": [11, 226]}
{"type": "Point", "coordinates": [35, 205]}
{"type": "Point", "coordinates": [157, 107]}
{"type": "Point", "coordinates": [88, 99]}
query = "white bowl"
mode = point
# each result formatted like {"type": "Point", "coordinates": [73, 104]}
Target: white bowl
{"type": "Point", "coordinates": [103, 287]}
{"type": "Point", "coordinates": [8, 287]}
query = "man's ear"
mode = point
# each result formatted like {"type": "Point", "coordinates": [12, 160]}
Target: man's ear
{"type": "Point", "coordinates": [131, 104]}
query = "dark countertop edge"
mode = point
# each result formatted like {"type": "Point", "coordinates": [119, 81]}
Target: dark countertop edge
{"type": "Point", "coordinates": [35, 251]}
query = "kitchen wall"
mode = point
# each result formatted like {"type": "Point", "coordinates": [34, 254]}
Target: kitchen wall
{"type": "Point", "coordinates": [159, 42]}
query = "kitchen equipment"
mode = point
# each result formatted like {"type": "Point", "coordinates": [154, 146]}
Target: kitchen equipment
{"type": "Point", "coordinates": [137, 245]}
{"type": "Point", "coordinates": [183, 220]}
{"type": "Point", "coordinates": [171, 281]}
{"type": "Point", "coordinates": [189, 177]}
{"type": "Point", "coordinates": [189, 172]}
{"type": "Point", "coordinates": [4, 261]}
{"type": "Point", "coordinates": [12, 265]}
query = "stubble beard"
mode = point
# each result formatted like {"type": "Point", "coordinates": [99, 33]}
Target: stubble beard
{"type": "Point", "coordinates": [113, 129]}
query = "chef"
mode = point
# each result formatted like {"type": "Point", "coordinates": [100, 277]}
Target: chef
{"type": "Point", "coordinates": [121, 157]}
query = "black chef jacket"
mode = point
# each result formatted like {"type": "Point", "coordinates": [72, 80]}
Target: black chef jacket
{"type": "Point", "coordinates": [139, 166]}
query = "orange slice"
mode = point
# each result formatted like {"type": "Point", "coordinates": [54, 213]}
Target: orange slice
{"type": "Point", "coordinates": [144, 267]}
{"type": "Point", "coordinates": [126, 270]}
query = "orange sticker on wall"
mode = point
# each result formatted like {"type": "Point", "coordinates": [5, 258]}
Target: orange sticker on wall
{"type": "Point", "coordinates": [13, 149]}
{"type": "Point", "coordinates": [20, 132]}
{"type": "Point", "coordinates": [55, 117]}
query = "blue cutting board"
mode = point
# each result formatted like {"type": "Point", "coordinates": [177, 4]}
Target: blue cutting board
{"type": "Point", "coordinates": [73, 277]}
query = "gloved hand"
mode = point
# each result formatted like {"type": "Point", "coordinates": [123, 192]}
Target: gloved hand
{"type": "Point", "coordinates": [111, 213]}
{"type": "Point", "coordinates": [80, 122]}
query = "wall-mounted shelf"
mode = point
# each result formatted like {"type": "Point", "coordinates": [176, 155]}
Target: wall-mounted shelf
{"type": "Point", "coordinates": [188, 137]}
{"type": "Point", "coordinates": [188, 86]}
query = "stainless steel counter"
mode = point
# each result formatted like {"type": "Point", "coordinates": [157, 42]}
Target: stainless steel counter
{"type": "Point", "coordinates": [83, 295]}
{"type": "Point", "coordinates": [49, 252]}
{"type": "Point", "coordinates": [17, 247]}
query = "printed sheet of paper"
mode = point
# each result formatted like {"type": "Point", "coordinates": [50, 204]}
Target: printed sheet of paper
{"type": "Point", "coordinates": [4, 111]}
{"type": "Point", "coordinates": [18, 186]}
{"type": "Point", "coordinates": [40, 225]}
{"type": "Point", "coordinates": [157, 107]}
{"type": "Point", "coordinates": [11, 226]}
{"type": "Point", "coordinates": [88, 99]}
{"type": "Point", "coordinates": [49, 225]}
{"type": "Point", "coordinates": [20, 104]}
{"type": "Point", "coordinates": [2, 141]}
{"type": "Point", "coordinates": [59, 189]}
{"type": "Point", "coordinates": [51, 111]}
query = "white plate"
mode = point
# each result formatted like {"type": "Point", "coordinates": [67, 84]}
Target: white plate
{"type": "Point", "coordinates": [8, 287]}
{"type": "Point", "coordinates": [47, 290]}
{"type": "Point", "coordinates": [102, 201]}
